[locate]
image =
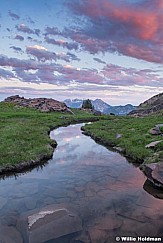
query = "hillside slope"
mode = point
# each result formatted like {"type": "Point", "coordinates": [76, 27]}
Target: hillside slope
{"type": "Point", "coordinates": [150, 106]}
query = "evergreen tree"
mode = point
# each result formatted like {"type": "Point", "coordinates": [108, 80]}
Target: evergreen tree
{"type": "Point", "coordinates": [87, 104]}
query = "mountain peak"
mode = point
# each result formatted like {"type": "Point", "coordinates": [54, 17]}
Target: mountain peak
{"type": "Point", "coordinates": [101, 106]}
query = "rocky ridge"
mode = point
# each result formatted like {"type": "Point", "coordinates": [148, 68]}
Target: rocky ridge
{"type": "Point", "coordinates": [41, 104]}
{"type": "Point", "coordinates": [150, 106]}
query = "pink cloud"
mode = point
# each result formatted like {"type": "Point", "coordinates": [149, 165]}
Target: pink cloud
{"type": "Point", "coordinates": [116, 75]}
{"type": "Point", "coordinates": [50, 72]}
{"type": "Point", "coordinates": [25, 29]}
{"type": "Point", "coordinates": [68, 45]}
{"type": "Point", "coordinates": [145, 21]}
{"type": "Point", "coordinates": [82, 76]}
{"type": "Point", "coordinates": [43, 55]}
{"type": "Point", "coordinates": [117, 26]}
{"type": "Point", "coordinates": [17, 63]}
{"type": "Point", "coordinates": [52, 31]}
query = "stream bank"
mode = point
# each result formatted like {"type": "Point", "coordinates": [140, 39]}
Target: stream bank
{"type": "Point", "coordinates": [96, 193]}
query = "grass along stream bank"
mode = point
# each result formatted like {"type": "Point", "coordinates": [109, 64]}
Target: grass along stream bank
{"type": "Point", "coordinates": [129, 135]}
{"type": "Point", "coordinates": [25, 141]}
{"type": "Point", "coordinates": [24, 135]}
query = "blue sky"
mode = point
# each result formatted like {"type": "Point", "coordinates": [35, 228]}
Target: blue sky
{"type": "Point", "coordinates": [105, 49]}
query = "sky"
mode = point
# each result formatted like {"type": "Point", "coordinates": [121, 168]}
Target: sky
{"type": "Point", "coordinates": [66, 49]}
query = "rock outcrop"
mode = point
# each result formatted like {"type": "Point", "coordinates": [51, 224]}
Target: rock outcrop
{"type": "Point", "coordinates": [41, 104]}
{"type": "Point", "coordinates": [150, 106]}
{"type": "Point", "coordinates": [154, 173]}
{"type": "Point", "coordinates": [154, 191]}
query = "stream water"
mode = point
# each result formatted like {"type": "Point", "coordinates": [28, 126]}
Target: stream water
{"type": "Point", "coordinates": [100, 189]}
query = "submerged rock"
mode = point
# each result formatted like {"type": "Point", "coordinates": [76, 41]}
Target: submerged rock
{"type": "Point", "coordinates": [9, 234]}
{"type": "Point", "coordinates": [30, 203]}
{"type": "Point", "coordinates": [99, 232]}
{"type": "Point", "coordinates": [49, 223]}
{"type": "Point", "coordinates": [3, 201]}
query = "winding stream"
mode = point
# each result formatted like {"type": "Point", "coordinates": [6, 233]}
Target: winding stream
{"type": "Point", "coordinates": [100, 189]}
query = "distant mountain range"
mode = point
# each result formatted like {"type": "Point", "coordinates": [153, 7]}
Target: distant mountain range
{"type": "Point", "coordinates": [102, 106]}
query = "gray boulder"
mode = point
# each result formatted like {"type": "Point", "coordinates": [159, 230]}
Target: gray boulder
{"type": "Point", "coordinates": [157, 173]}
{"type": "Point", "coordinates": [154, 173]}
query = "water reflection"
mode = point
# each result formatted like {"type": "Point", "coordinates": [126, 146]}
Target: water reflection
{"type": "Point", "coordinates": [16, 175]}
{"type": "Point", "coordinates": [92, 186]}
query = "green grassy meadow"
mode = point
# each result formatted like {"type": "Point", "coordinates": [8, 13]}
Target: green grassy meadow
{"type": "Point", "coordinates": [24, 132]}
{"type": "Point", "coordinates": [134, 136]}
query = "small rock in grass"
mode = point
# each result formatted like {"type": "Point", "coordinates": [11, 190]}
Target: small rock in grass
{"type": "Point", "coordinates": [155, 131]}
{"type": "Point", "coordinates": [119, 149]}
{"type": "Point", "coordinates": [153, 144]}
{"type": "Point", "coordinates": [118, 135]}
